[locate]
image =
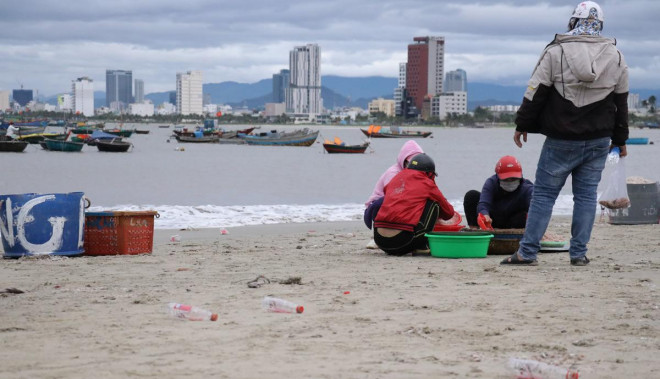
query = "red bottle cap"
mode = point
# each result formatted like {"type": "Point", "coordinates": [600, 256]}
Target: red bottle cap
{"type": "Point", "coordinates": [299, 309]}
{"type": "Point", "coordinates": [214, 316]}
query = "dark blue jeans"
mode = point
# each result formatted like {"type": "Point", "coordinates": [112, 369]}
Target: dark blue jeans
{"type": "Point", "coordinates": [584, 161]}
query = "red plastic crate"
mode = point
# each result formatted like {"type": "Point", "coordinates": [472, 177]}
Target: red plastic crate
{"type": "Point", "coordinates": [119, 232]}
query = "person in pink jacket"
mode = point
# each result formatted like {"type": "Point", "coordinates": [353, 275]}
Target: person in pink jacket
{"type": "Point", "coordinates": [408, 150]}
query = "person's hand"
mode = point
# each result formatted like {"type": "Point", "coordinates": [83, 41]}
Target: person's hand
{"type": "Point", "coordinates": [488, 219]}
{"type": "Point", "coordinates": [622, 150]}
{"type": "Point", "coordinates": [516, 137]}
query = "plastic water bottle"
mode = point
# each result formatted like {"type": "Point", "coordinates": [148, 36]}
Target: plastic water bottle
{"type": "Point", "coordinates": [531, 369]}
{"type": "Point", "coordinates": [188, 312]}
{"type": "Point", "coordinates": [613, 156]}
{"type": "Point", "coordinates": [273, 304]}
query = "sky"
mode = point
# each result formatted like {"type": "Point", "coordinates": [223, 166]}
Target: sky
{"type": "Point", "coordinates": [46, 44]}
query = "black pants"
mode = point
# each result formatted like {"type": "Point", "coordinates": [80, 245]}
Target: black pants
{"type": "Point", "coordinates": [405, 242]}
{"type": "Point", "coordinates": [501, 221]}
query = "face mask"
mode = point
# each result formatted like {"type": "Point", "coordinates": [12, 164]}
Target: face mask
{"type": "Point", "coordinates": [509, 186]}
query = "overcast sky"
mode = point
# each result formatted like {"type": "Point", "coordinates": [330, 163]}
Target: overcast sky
{"type": "Point", "coordinates": [45, 44]}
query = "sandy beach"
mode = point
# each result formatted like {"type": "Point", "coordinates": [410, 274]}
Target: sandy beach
{"type": "Point", "coordinates": [366, 315]}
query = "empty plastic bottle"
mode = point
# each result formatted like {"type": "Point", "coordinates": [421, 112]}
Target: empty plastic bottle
{"type": "Point", "coordinates": [273, 304]}
{"type": "Point", "coordinates": [188, 312]}
{"type": "Point", "coordinates": [613, 156]}
{"type": "Point", "coordinates": [531, 369]}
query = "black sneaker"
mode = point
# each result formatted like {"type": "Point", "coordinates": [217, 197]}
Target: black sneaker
{"type": "Point", "coordinates": [582, 261]}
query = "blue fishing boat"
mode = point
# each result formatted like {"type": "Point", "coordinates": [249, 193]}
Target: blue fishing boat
{"type": "Point", "coordinates": [303, 137]}
{"type": "Point", "coordinates": [637, 141]}
{"type": "Point", "coordinates": [68, 146]}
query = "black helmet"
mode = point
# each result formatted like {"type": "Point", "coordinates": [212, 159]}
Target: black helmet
{"type": "Point", "coordinates": [422, 162]}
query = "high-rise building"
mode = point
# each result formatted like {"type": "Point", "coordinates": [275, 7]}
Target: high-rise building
{"type": "Point", "coordinates": [456, 81]}
{"type": "Point", "coordinates": [304, 93]}
{"type": "Point", "coordinates": [22, 96]}
{"type": "Point", "coordinates": [280, 84]}
{"type": "Point", "coordinates": [139, 91]}
{"type": "Point", "coordinates": [65, 102]}
{"type": "Point", "coordinates": [399, 90]}
{"type": "Point", "coordinates": [83, 96]}
{"type": "Point", "coordinates": [425, 68]}
{"type": "Point", "coordinates": [118, 89]}
{"type": "Point", "coordinates": [4, 100]}
{"type": "Point", "coordinates": [189, 96]}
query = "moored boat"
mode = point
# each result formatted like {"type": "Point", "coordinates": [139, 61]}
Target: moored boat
{"type": "Point", "coordinates": [67, 146]}
{"type": "Point", "coordinates": [303, 137]}
{"type": "Point", "coordinates": [38, 137]}
{"type": "Point", "coordinates": [116, 145]}
{"type": "Point", "coordinates": [393, 132]}
{"type": "Point", "coordinates": [339, 147]}
{"type": "Point", "coordinates": [637, 141]}
{"type": "Point", "coordinates": [120, 132]}
{"type": "Point", "coordinates": [197, 139]}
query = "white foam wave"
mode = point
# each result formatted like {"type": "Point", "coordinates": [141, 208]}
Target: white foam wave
{"type": "Point", "coordinates": [214, 216]}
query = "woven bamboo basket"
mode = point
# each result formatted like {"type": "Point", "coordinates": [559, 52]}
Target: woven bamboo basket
{"type": "Point", "coordinates": [505, 241]}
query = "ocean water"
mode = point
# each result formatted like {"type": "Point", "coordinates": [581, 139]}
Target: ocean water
{"type": "Point", "coordinates": [219, 186]}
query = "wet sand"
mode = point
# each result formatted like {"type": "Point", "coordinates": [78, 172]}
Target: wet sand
{"type": "Point", "coordinates": [366, 315]}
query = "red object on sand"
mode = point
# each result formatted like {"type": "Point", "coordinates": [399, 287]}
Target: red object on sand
{"type": "Point", "coordinates": [483, 224]}
{"type": "Point", "coordinates": [451, 225]}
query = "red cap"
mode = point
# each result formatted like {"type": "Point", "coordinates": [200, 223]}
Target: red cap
{"type": "Point", "coordinates": [299, 309]}
{"type": "Point", "coordinates": [214, 316]}
{"type": "Point", "coordinates": [508, 167]}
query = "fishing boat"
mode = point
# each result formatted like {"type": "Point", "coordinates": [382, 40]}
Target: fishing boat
{"type": "Point", "coordinates": [119, 132]}
{"type": "Point", "coordinates": [12, 146]}
{"type": "Point", "coordinates": [198, 139]}
{"type": "Point", "coordinates": [35, 138]}
{"type": "Point", "coordinates": [304, 137]}
{"type": "Point", "coordinates": [141, 131]}
{"type": "Point", "coordinates": [340, 147]}
{"type": "Point", "coordinates": [163, 126]}
{"type": "Point", "coordinates": [99, 136]}
{"type": "Point", "coordinates": [116, 145]}
{"type": "Point", "coordinates": [67, 146]}
{"type": "Point", "coordinates": [637, 141]}
{"type": "Point", "coordinates": [377, 131]}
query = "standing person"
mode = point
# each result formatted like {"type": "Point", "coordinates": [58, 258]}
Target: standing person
{"type": "Point", "coordinates": [408, 150]}
{"type": "Point", "coordinates": [503, 200]}
{"type": "Point", "coordinates": [13, 132]}
{"type": "Point", "coordinates": [577, 97]}
{"type": "Point", "coordinates": [412, 205]}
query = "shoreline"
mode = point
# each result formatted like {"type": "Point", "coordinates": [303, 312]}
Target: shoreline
{"type": "Point", "coordinates": [366, 314]}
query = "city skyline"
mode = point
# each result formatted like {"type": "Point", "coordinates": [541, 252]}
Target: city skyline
{"type": "Point", "coordinates": [46, 44]}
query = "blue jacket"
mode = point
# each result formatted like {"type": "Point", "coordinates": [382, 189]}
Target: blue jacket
{"type": "Point", "coordinates": [497, 203]}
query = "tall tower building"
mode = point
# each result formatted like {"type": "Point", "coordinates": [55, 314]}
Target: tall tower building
{"type": "Point", "coordinates": [83, 96]}
{"type": "Point", "coordinates": [304, 93]}
{"type": "Point", "coordinates": [189, 96]}
{"type": "Point", "coordinates": [399, 90]}
{"type": "Point", "coordinates": [280, 84]}
{"type": "Point", "coordinates": [456, 81]}
{"type": "Point", "coordinates": [118, 89]}
{"type": "Point", "coordinates": [4, 100]}
{"type": "Point", "coordinates": [139, 91]}
{"type": "Point", "coordinates": [22, 96]}
{"type": "Point", "coordinates": [425, 69]}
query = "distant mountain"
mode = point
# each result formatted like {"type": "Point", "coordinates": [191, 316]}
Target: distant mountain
{"type": "Point", "coordinates": [362, 87]}
{"type": "Point", "coordinates": [339, 91]}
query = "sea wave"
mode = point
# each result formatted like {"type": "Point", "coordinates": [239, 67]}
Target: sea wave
{"type": "Point", "coordinates": [214, 216]}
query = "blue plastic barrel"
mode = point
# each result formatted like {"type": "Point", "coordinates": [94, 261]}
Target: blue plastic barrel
{"type": "Point", "coordinates": [42, 224]}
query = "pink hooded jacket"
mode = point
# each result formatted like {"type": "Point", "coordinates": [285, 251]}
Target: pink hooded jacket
{"type": "Point", "coordinates": [408, 150]}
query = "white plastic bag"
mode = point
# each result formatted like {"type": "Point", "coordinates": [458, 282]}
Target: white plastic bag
{"type": "Point", "coordinates": [615, 190]}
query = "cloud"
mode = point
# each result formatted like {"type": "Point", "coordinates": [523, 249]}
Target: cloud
{"type": "Point", "coordinates": [46, 45]}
